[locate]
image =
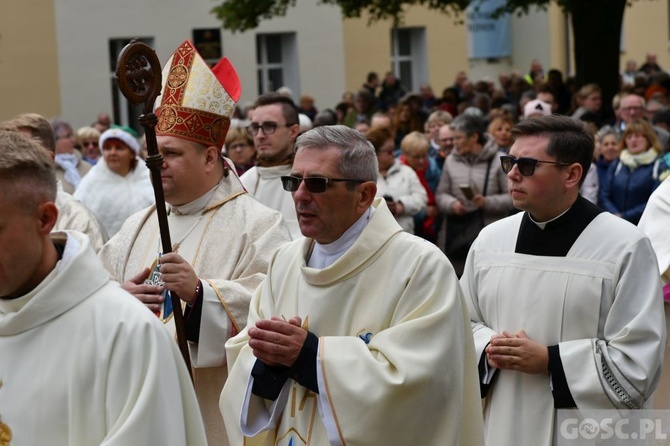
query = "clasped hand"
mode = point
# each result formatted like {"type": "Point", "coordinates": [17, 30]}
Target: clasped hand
{"type": "Point", "coordinates": [277, 342]}
{"type": "Point", "coordinates": [177, 276]}
{"type": "Point", "coordinates": [515, 351]}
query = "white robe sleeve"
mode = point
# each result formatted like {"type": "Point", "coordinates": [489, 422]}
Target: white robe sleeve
{"type": "Point", "coordinates": [622, 369]}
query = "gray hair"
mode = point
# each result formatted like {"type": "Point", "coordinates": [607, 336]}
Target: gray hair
{"type": "Point", "coordinates": [357, 155]}
{"type": "Point", "coordinates": [606, 130]}
{"type": "Point", "coordinates": [58, 123]}
{"type": "Point", "coordinates": [470, 124]}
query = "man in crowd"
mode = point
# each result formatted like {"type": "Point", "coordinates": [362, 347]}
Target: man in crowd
{"type": "Point", "coordinates": [82, 362]}
{"type": "Point", "coordinates": [564, 298]}
{"type": "Point", "coordinates": [372, 83]}
{"type": "Point", "coordinates": [223, 238]}
{"type": "Point", "coordinates": [373, 359]}
{"type": "Point", "coordinates": [72, 214]}
{"type": "Point", "coordinates": [445, 138]}
{"type": "Point", "coordinates": [632, 107]}
{"type": "Point", "coordinates": [274, 127]}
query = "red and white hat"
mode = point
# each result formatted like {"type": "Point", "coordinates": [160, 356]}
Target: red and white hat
{"type": "Point", "coordinates": [197, 102]}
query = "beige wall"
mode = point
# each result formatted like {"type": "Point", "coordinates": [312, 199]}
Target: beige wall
{"type": "Point", "coordinates": [645, 30]}
{"type": "Point", "coordinates": [369, 48]}
{"type": "Point", "coordinates": [28, 59]}
{"type": "Point", "coordinates": [558, 57]}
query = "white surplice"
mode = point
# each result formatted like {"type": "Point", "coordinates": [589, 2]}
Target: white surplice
{"type": "Point", "coordinates": [264, 183]}
{"type": "Point", "coordinates": [601, 304]}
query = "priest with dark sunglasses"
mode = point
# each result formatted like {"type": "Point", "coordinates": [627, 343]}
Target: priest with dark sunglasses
{"type": "Point", "coordinates": [359, 333]}
{"type": "Point", "coordinates": [564, 298]}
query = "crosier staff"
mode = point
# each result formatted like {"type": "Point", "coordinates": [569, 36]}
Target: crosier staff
{"type": "Point", "coordinates": [138, 72]}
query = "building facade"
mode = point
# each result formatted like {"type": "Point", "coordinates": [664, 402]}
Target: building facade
{"type": "Point", "coordinates": [59, 56]}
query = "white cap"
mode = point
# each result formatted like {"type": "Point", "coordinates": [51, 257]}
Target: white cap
{"type": "Point", "coordinates": [121, 135]}
{"type": "Point", "coordinates": [537, 107]}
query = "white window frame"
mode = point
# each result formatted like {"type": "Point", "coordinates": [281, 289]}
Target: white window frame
{"type": "Point", "coordinates": [288, 63]}
{"type": "Point", "coordinates": [417, 57]}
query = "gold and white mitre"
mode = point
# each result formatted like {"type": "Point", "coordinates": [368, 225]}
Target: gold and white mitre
{"type": "Point", "coordinates": [197, 102]}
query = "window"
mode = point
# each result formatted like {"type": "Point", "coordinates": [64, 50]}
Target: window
{"type": "Point", "coordinates": [208, 43]}
{"type": "Point", "coordinates": [124, 112]}
{"type": "Point", "coordinates": [408, 56]}
{"type": "Point", "coordinates": [277, 61]}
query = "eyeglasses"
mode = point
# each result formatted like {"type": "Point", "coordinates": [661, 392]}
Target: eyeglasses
{"type": "Point", "coordinates": [631, 109]}
{"type": "Point", "coordinates": [90, 143]}
{"type": "Point", "coordinates": [526, 165]}
{"type": "Point", "coordinates": [315, 185]}
{"type": "Point", "coordinates": [269, 127]}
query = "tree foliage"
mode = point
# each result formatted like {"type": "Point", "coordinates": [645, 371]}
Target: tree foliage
{"type": "Point", "coordinates": [595, 25]}
{"type": "Point", "coordinates": [243, 15]}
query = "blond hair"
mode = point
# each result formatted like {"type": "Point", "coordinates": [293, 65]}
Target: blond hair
{"type": "Point", "coordinates": [414, 141]}
{"type": "Point", "coordinates": [38, 126]}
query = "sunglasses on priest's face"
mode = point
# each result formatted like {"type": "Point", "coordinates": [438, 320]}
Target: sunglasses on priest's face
{"type": "Point", "coordinates": [526, 165]}
{"type": "Point", "coordinates": [315, 185]}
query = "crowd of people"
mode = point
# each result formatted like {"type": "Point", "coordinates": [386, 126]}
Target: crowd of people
{"type": "Point", "coordinates": [323, 256]}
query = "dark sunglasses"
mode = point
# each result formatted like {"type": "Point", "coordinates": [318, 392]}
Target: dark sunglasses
{"type": "Point", "coordinates": [526, 165]}
{"type": "Point", "coordinates": [315, 185]}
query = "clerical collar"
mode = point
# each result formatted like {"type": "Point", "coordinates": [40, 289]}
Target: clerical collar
{"type": "Point", "coordinates": [196, 206]}
{"type": "Point", "coordinates": [543, 224]}
{"type": "Point", "coordinates": [556, 236]}
{"type": "Point", "coordinates": [322, 256]}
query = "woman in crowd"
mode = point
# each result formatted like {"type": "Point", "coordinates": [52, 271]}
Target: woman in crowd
{"type": "Point", "coordinates": [88, 138]}
{"type": "Point", "coordinates": [240, 149]}
{"type": "Point", "coordinates": [629, 181]}
{"type": "Point", "coordinates": [119, 184]}
{"type": "Point", "coordinates": [397, 183]}
{"type": "Point", "coordinates": [70, 168]}
{"type": "Point", "coordinates": [607, 150]}
{"type": "Point", "coordinates": [415, 154]}
{"type": "Point", "coordinates": [473, 189]}
{"type": "Point", "coordinates": [500, 132]}
{"type": "Point", "coordinates": [405, 122]}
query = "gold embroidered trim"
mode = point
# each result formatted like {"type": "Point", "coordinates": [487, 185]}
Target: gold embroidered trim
{"type": "Point", "coordinates": [5, 434]}
{"type": "Point", "coordinates": [330, 398]}
{"type": "Point", "coordinates": [225, 306]}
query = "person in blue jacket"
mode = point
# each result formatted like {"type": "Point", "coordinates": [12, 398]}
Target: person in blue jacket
{"type": "Point", "coordinates": [630, 180]}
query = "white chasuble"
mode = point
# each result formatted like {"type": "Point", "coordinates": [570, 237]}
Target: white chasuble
{"type": "Point", "coordinates": [395, 361]}
{"type": "Point", "coordinates": [83, 362]}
